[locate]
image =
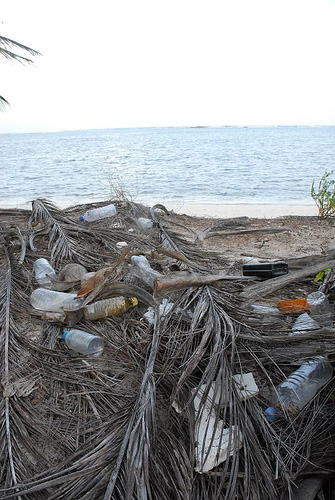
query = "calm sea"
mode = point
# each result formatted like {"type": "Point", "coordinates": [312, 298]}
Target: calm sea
{"type": "Point", "coordinates": [162, 165]}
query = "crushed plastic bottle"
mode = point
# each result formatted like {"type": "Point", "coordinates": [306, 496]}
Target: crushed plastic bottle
{"type": "Point", "coordinates": [304, 323]}
{"type": "Point", "coordinates": [142, 270]}
{"type": "Point", "coordinates": [144, 223]}
{"type": "Point", "coordinates": [44, 272]}
{"type": "Point", "coordinates": [291, 395]}
{"type": "Point", "coordinates": [109, 307]}
{"type": "Point", "coordinates": [50, 300]}
{"type": "Point", "coordinates": [84, 342]}
{"type": "Point", "coordinates": [320, 309]}
{"type": "Point", "coordinates": [99, 213]}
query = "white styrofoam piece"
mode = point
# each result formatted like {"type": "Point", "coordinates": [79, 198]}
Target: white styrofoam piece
{"type": "Point", "coordinates": [245, 385]}
{"type": "Point", "coordinates": [214, 442]}
{"type": "Point", "coordinates": [214, 445]}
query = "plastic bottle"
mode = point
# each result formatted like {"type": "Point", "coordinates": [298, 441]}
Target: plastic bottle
{"type": "Point", "coordinates": [299, 388]}
{"type": "Point", "coordinates": [43, 270]}
{"type": "Point", "coordinates": [265, 310]}
{"type": "Point", "coordinates": [99, 213]}
{"type": "Point", "coordinates": [144, 223]}
{"type": "Point", "coordinates": [304, 323]}
{"type": "Point", "coordinates": [50, 300]}
{"type": "Point", "coordinates": [142, 270]}
{"type": "Point", "coordinates": [320, 309]}
{"type": "Point", "coordinates": [109, 307]}
{"type": "Point", "coordinates": [83, 342]}
{"type": "Point", "coordinates": [299, 304]}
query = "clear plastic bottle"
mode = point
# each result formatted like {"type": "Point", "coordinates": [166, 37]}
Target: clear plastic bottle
{"type": "Point", "coordinates": [304, 323]}
{"type": "Point", "coordinates": [43, 271]}
{"type": "Point", "coordinates": [99, 213]}
{"type": "Point", "coordinates": [142, 270]}
{"type": "Point", "coordinates": [50, 300]}
{"type": "Point", "coordinates": [320, 309]}
{"type": "Point", "coordinates": [144, 223]}
{"type": "Point", "coordinates": [299, 388]}
{"type": "Point", "coordinates": [83, 342]}
{"type": "Point", "coordinates": [109, 307]}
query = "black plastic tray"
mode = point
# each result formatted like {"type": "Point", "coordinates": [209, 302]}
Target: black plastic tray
{"type": "Point", "coordinates": [268, 270]}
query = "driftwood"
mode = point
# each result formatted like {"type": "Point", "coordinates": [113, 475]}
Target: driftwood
{"type": "Point", "coordinates": [259, 290]}
{"type": "Point", "coordinates": [246, 231]}
{"type": "Point", "coordinates": [185, 280]}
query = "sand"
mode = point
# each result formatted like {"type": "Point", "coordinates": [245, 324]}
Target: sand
{"type": "Point", "coordinates": [224, 211]}
{"type": "Point", "coordinates": [219, 210]}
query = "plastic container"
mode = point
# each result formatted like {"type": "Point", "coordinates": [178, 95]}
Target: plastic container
{"type": "Point", "coordinates": [320, 309]}
{"type": "Point", "coordinates": [50, 300]}
{"type": "Point", "coordinates": [142, 270]}
{"type": "Point", "coordinates": [269, 270]}
{"type": "Point", "coordinates": [99, 213]}
{"type": "Point", "coordinates": [144, 223]}
{"type": "Point", "coordinates": [299, 388]}
{"type": "Point", "coordinates": [299, 304]}
{"type": "Point", "coordinates": [109, 307]}
{"type": "Point", "coordinates": [84, 342]}
{"type": "Point", "coordinates": [304, 323]}
{"type": "Point", "coordinates": [265, 310]}
{"type": "Point", "coordinates": [43, 271]}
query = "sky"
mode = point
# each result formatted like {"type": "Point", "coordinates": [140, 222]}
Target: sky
{"type": "Point", "coordinates": [151, 63]}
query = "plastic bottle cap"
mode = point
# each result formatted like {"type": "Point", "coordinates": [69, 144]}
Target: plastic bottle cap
{"type": "Point", "coordinates": [65, 333]}
{"type": "Point", "coordinates": [272, 414]}
{"type": "Point", "coordinates": [82, 217]}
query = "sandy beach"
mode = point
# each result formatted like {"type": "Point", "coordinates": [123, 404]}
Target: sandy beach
{"type": "Point", "coordinates": [216, 210]}
{"type": "Point", "coordinates": [225, 211]}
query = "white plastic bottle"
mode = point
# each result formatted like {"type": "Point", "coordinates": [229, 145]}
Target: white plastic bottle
{"type": "Point", "coordinates": [299, 388]}
{"type": "Point", "coordinates": [142, 270]}
{"type": "Point", "coordinates": [144, 223]}
{"type": "Point", "coordinates": [83, 342]}
{"type": "Point", "coordinates": [99, 213]}
{"type": "Point", "coordinates": [320, 309]}
{"type": "Point", "coordinates": [50, 300]}
{"type": "Point", "coordinates": [43, 271]}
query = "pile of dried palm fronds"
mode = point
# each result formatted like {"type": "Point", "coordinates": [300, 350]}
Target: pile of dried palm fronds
{"type": "Point", "coordinates": [121, 426]}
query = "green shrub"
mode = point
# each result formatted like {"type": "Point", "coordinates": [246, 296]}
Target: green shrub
{"type": "Point", "coordinates": [324, 196]}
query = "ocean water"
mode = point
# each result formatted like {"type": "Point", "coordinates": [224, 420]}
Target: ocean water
{"type": "Point", "coordinates": [164, 165]}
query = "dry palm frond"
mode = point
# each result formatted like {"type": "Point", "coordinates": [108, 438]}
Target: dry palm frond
{"type": "Point", "coordinates": [94, 428]}
{"type": "Point", "coordinates": [61, 246]}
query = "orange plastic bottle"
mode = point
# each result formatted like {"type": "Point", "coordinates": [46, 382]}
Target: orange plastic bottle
{"type": "Point", "coordinates": [299, 304]}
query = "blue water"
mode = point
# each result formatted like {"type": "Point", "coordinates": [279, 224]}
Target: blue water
{"type": "Point", "coordinates": [217, 165]}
